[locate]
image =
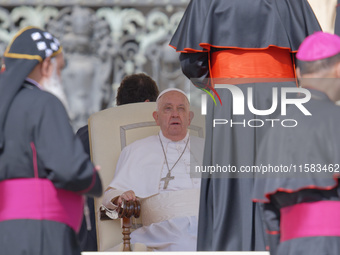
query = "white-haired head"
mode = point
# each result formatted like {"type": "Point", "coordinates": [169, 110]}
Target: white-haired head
{"type": "Point", "coordinates": [170, 90]}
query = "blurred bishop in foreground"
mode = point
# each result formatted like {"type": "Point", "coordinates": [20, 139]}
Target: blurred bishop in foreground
{"type": "Point", "coordinates": [301, 206]}
{"type": "Point", "coordinates": [44, 170]}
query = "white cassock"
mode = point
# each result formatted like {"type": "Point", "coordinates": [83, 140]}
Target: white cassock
{"type": "Point", "coordinates": [170, 215]}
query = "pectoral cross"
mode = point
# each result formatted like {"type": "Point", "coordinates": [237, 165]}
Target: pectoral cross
{"type": "Point", "coordinates": [167, 179]}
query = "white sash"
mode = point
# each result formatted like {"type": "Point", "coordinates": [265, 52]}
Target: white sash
{"type": "Point", "coordinates": [168, 205]}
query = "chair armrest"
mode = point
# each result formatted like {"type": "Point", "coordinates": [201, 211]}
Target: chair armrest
{"type": "Point", "coordinates": [125, 211]}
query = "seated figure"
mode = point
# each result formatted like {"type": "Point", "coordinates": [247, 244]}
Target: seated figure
{"type": "Point", "coordinates": [156, 170]}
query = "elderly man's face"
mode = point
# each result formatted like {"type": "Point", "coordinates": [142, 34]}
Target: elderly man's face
{"type": "Point", "coordinates": [52, 80]}
{"type": "Point", "coordinates": [173, 115]}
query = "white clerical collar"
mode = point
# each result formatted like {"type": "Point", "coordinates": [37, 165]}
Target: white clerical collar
{"type": "Point", "coordinates": [167, 140]}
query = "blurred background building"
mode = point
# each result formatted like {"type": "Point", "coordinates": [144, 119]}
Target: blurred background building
{"type": "Point", "coordinates": [103, 40]}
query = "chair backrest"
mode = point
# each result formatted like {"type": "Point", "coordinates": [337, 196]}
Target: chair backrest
{"type": "Point", "coordinates": [110, 131]}
{"type": "Point", "coordinates": [325, 12]}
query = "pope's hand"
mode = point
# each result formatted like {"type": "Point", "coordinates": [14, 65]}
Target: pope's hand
{"type": "Point", "coordinates": [128, 196]}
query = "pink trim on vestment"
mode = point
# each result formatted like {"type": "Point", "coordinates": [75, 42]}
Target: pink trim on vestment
{"type": "Point", "coordinates": [310, 219]}
{"type": "Point", "coordinates": [39, 199]}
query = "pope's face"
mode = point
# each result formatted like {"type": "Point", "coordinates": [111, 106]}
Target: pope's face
{"type": "Point", "coordinates": [173, 115]}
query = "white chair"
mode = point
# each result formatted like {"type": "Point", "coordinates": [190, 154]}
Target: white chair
{"type": "Point", "coordinates": [325, 11]}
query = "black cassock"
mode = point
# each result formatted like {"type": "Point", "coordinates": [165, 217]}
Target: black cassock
{"type": "Point", "coordinates": [38, 117]}
{"type": "Point", "coordinates": [228, 220]}
{"type": "Point", "coordinates": [310, 154]}
{"type": "Point", "coordinates": [87, 237]}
